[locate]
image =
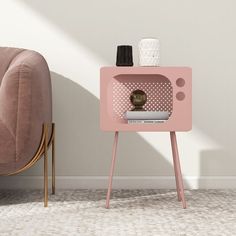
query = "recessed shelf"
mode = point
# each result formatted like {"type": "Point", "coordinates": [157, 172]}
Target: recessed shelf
{"type": "Point", "coordinates": [158, 89]}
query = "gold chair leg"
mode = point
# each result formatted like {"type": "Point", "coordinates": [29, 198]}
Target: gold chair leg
{"type": "Point", "coordinates": [53, 160]}
{"type": "Point", "coordinates": [45, 165]}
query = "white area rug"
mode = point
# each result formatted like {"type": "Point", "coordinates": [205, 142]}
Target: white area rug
{"type": "Point", "coordinates": [134, 212]}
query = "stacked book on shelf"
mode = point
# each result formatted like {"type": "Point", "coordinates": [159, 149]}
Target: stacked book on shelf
{"type": "Point", "coordinates": [146, 117]}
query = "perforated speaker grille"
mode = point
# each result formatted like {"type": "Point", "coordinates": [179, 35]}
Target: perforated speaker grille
{"type": "Point", "coordinates": [159, 96]}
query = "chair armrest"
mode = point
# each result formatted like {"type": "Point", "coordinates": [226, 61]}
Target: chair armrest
{"type": "Point", "coordinates": [25, 101]}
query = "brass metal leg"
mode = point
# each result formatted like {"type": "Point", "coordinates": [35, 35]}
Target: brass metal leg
{"type": "Point", "coordinates": [42, 152]}
{"type": "Point", "coordinates": [45, 165]}
{"type": "Point", "coordinates": [53, 160]}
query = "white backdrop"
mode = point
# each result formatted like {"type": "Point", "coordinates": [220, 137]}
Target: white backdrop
{"type": "Point", "coordinates": [78, 37]}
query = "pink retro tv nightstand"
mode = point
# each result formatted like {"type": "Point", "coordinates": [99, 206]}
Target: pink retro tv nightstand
{"type": "Point", "coordinates": [167, 88]}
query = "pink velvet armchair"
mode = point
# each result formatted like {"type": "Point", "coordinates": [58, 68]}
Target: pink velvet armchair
{"type": "Point", "coordinates": [26, 128]}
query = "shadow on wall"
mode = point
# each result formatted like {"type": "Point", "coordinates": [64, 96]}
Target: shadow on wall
{"type": "Point", "coordinates": [82, 149]}
{"type": "Point", "coordinates": [108, 23]}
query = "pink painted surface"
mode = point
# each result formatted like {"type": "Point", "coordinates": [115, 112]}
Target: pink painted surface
{"type": "Point", "coordinates": [167, 88]}
{"type": "Point", "coordinates": [177, 168]}
{"type": "Point", "coordinates": [112, 169]}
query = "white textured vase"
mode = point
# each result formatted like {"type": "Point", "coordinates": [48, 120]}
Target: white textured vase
{"type": "Point", "coordinates": [149, 54]}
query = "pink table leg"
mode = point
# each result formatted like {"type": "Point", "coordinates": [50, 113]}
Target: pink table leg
{"type": "Point", "coordinates": [112, 169]}
{"type": "Point", "coordinates": [177, 168]}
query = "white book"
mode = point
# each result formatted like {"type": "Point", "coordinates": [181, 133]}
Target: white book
{"type": "Point", "coordinates": [146, 121]}
{"type": "Point", "coordinates": [146, 115]}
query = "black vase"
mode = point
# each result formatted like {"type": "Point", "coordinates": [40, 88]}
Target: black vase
{"type": "Point", "coordinates": [124, 56]}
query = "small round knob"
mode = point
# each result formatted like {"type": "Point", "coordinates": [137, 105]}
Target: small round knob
{"type": "Point", "coordinates": [180, 82]}
{"type": "Point", "coordinates": [180, 96]}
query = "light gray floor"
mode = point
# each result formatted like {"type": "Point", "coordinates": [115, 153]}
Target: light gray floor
{"type": "Point", "coordinates": [133, 212]}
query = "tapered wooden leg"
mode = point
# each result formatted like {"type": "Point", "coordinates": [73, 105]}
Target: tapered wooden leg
{"type": "Point", "coordinates": [177, 168]}
{"type": "Point", "coordinates": [112, 169]}
{"type": "Point", "coordinates": [53, 161]}
{"type": "Point", "coordinates": [45, 165]}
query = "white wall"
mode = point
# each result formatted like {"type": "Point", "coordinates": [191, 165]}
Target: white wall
{"type": "Point", "coordinates": [78, 37]}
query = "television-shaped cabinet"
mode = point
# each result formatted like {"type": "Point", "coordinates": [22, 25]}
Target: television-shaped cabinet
{"type": "Point", "coordinates": [168, 89]}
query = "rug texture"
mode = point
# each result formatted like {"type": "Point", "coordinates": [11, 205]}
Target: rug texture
{"type": "Point", "coordinates": [132, 212]}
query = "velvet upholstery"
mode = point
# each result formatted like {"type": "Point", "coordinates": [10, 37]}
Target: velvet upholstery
{"type": "Point", "coordinates": [25, 104]}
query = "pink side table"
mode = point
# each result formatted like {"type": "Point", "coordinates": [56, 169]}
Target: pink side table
{"type": "Point", "coordinates": [167, 88]}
